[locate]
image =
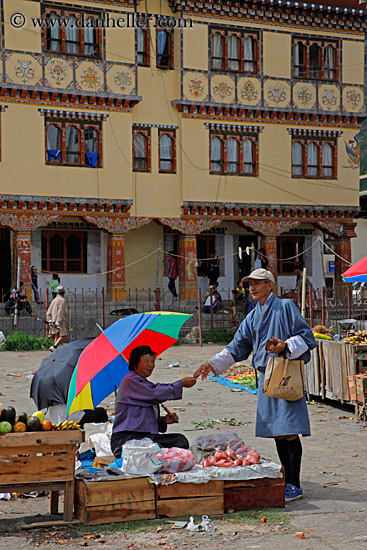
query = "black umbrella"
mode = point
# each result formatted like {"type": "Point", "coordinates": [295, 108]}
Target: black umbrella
{"type": "Point", "coordinates": [50, 384]}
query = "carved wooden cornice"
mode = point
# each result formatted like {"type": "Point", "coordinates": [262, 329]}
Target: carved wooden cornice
{"type": "Point", "coordinates": [280, 12]}
{"type": "Point", "coordinates": [26, 221]}
{"type": "Point", "coordinates": [270, 227]}
{"type": "Point", "coordinates": [190, 225]}
{"type": "Point", "coordinates": [63, 205]}
{"type": "Point", "coordinates": [237, 113]}
{"type": "Point", "coordinates": [117, 224]}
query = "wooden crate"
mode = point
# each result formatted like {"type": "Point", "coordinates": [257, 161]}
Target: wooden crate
{"type": "Point", "coordinates": [361, 388]}
{"type": "Point", "coordinates": [40, 461]}
{"type": "Point", "coordinates": [351, 381]}
{"type": "Point", "coordinates": [111, 501]}
{"type": "Point", "coordinates": [254, 493]}
{"type": "Point", "coordinates": [179, 499]}
{"type": "Point", "coordinates": [103, 461]}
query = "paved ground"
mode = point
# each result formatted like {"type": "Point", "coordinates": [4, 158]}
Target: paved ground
{"type": "Point", "coordinates": [332, 515]}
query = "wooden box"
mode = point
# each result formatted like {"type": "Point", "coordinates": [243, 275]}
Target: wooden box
{"type": "Point", "coordinates": [40, 461]}
{"type": "Point", "coordinates": [179, 499]}
{"type": "Point", "coordinates": [361, 388]}
{"type": "Point", "coordinates": [110, 501]}
{"type": "Point", "coordinates": [103, 461]}
{"type": "Point", "coordinates": [351, 381]}
{"type": "Point", "coordinates": [254, 493]}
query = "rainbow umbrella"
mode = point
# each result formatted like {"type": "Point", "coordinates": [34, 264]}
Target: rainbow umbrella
{"type": "Point", "coordinates": [105, 361]}
{"type": "Point", "coordinates": [356, 273]}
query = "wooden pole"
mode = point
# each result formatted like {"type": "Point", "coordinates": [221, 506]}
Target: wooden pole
{"type": "Point", "coordinates": [303, 306]}
{"type": "Point", "coordinates": [200, 319]}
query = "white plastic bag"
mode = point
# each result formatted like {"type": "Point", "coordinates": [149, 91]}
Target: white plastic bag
{"type": "Point", "coordinates": [140, 457]}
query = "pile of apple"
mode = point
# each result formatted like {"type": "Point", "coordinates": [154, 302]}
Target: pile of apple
{"type": "Point", "coordinates": [229, 458]}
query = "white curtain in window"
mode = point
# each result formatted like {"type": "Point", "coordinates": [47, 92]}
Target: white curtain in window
{"type": "Point", "coordinates": [312, 159]}
{"type": "Point", "coordinates": [217, 51]}
{"type": "Point", "coordinates": [216, 155]}
{"type": "Point", "coordinates": [165, 147]}
{"type": "Point", "coordinates": [53, 32]}
{"type": "Point", "coordinates": [161, 44]}
{"type": "Point", "coordinates": [139, 151]}
{"type": "Point", "coordinates": [53, 137]}
{"type": "Point", "coordinates": [232, 155]}
{"type": "Point", "coordinates": [327, 160]}
{"type": "Point", "coordinates": [140, 44]}
{"type": "Point", "coordinates": [233, 53]}
{"type": "Point", "coordinates": [248, 48]}
{"type": "Point", "coordinates": [89, 37]}
{"type": "Point", "coordinates": [71, 35]}
{"type": "Point", "coordinates": [298, 59]}
{"type": "Point", "coordinates": [329, 62]}
{"type": "Point", "coordinates": [297, 159]}
{"type": "Point", "coordinates": [72, 144]}
{"type": "Point", "coordinates": [90, 138]}
{"type": "Point", "coordinates": [248, 156]}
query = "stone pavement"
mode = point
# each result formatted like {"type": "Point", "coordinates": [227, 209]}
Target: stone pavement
{"type": "Point", "coordinates": [333, 514]}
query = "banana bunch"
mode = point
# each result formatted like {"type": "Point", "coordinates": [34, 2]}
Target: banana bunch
{"type": "Point", "coordinates": [66, 425]}
{"type": "Point", "coordinates": [358, 338]}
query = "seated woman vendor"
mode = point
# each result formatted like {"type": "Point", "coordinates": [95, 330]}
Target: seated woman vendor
{"type": "Point", "coordinates": [137, 410]}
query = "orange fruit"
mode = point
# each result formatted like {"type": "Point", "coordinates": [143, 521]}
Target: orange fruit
{"type": "Point", "coordinates": [47, 425]}
{"type": "Point", "coordinates": [19, 427]}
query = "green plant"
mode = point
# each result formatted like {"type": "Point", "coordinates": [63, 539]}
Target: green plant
{"type": "Point", "coordinates": [218, 336]}
{"type": "Point", "coordinates": [21, 341]}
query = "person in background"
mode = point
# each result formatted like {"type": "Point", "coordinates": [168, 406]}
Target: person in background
{"type": "Point", "coordinates": [137, 405]}
{"type": "Point", "coordinates": [273, 327]}
{"type": "Point", "coordinates": [213, 302]}
{"type": "Point", "coordinates": [298, 269]}
{"type": "Point", "coordinates": [172, 274]}
{"type": "Point", "coordinates": [261, 261]}
{"type": "Point", "coordinates": [18, 298]}
{"type": "Point", "coordinates": [54, 284]}
{"type": "Point", "coordinates": [213, 268]}
{"type": "Point", "coordinates": [56, 316]}
{"type": "Point", "coordinates": [34, 276]}
{"type": "Point", "coordinates": [241, 292]}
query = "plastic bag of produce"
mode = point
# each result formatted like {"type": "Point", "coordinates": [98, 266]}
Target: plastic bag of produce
{"type": "Point", "coordinates": [175, 460]}
{"type": "Point", "coordinates": [206, 445]}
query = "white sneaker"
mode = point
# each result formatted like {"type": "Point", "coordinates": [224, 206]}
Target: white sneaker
{"type": "Point", "coordinates": [52, 348]}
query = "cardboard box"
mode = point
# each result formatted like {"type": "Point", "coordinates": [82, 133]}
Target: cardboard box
{"type": "Point", "coordinates": [361, 388]}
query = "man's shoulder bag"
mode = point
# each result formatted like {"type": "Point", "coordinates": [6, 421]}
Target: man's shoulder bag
{"type": "Point", "coordinates": [284, 378]}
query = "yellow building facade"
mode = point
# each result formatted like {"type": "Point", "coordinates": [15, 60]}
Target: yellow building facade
{"type": "Point", "coordinates": [194, 127]}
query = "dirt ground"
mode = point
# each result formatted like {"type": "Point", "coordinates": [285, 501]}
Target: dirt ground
{"type": "Point", "coordinates": [333, 514]}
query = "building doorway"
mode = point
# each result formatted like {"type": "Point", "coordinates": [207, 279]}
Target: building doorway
{"type": "Point", "coordinates": [5, 262]}
{"type": "Point", "coordinates": [245, 265]}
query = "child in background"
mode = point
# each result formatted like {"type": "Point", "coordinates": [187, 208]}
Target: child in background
{"type": "Point", "coordinates": [241, 292]}
{"type": "Point", "coordinates": [54, 284]}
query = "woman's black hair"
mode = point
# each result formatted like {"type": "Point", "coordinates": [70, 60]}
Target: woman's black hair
{"type": "Point", "coordinates": [137, 353]}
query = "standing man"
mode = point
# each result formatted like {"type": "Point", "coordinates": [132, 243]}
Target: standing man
{"type": "Point", "coordinates": [172, 274]}
{"type": "Point", "coordinates": [213, 268]}
{"type": "Point", "coordinates": [57, 315]}
{"type": "Point", "coordinates": [280, 322]}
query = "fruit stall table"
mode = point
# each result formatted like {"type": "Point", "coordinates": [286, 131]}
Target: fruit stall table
{"type": "Point", "coordinates": [326, 375]}
{"type": "Point", "coordinates": [41, 461]}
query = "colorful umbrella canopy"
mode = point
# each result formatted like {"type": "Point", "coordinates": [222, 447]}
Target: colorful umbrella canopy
{"type": "Point", "coordinates": [105, 362]}
{"type": "Point", "coordinates": [356, 273]}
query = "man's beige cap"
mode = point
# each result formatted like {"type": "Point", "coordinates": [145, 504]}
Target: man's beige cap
{"type": "Point", "coordinates": [260, 274]}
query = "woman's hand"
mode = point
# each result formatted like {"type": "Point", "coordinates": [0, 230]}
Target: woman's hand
{"type": "Point", "coordinates": [203, 370]}
{"type": "Point", "coordinates": [189, 381]}
{"type": "Point", "coordinates": [276, 345]}
{"type": "Point", "coordinates": [171, 418]}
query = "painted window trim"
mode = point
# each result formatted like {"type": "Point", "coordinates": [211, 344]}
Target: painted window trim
{"type": "Point", "coordinates": [319, 143]}
{"type": "Point", "coordinates": [307, 42]}
{"type": "Point", "coordinates": [81, 126]}
{"type": "Point", "coordinates": [146, 133]}
{"type": "Point", "coordinates": [64, 235]}
{"type": "Point", "coordinates": [241, 34]}
{"type": "Point", "coordinates": [172, 135]}
{"type": "Point", "coordinates": [146, 52]}
{"type": "Point", "coordinates": [224, 137]}
{"type": "Point", "coordinates": [64, 12]}
{"type": "Point", "coordinates": [170, 35]}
